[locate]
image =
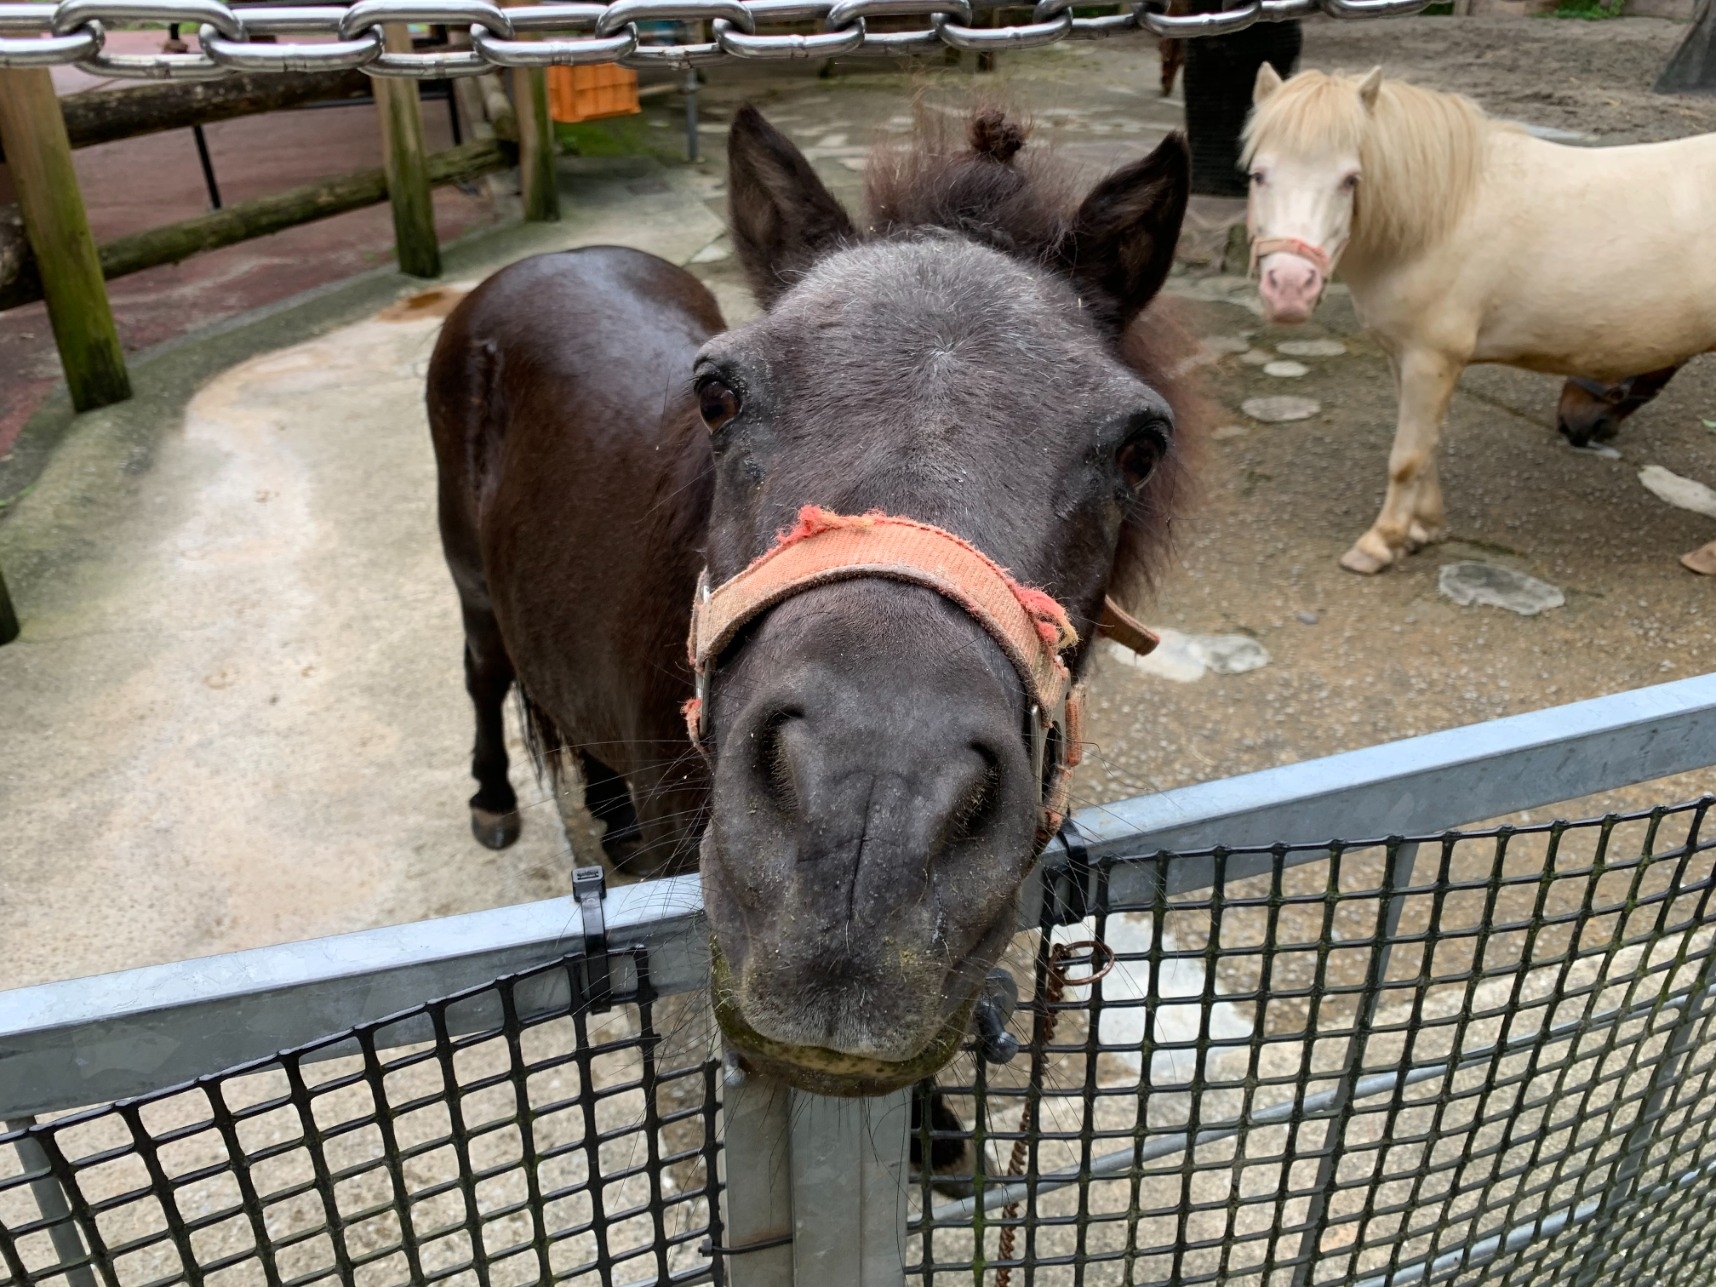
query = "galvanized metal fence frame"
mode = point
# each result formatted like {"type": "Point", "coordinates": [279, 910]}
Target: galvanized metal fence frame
{"type": "Point", "coordinates": [816, 1188]}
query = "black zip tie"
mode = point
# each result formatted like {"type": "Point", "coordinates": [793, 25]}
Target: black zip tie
{"type": "Point", "coordinates": [589, 888]}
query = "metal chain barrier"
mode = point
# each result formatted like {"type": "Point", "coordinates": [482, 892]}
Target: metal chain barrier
{"type": "Point", "coordinates": [75, 31]}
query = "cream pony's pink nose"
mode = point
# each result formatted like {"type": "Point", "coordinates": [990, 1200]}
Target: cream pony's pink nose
{"type": "Point", "coordinates": [1290, 286]}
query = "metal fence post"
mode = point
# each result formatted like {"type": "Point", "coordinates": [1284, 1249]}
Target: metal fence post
{"type": "Point", "coordinates": [51, 1201]}
{"type": "Point", "coordinates": [850, 1159]}
{"type": "Point", "coordinates": [757, 1220]}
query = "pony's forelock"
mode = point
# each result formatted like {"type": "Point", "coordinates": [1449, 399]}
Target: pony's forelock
{"type": "Point", "coordinates": [1421, 152]}
{"type": "Point", "coordinates": [977, 177]}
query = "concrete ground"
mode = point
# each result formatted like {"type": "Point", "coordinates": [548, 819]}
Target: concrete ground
{"type": "Point", "coordinates": [236, 715]}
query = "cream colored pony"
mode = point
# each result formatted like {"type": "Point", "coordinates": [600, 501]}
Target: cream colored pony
{"type": "Point", "coordinates": [1467, 240]}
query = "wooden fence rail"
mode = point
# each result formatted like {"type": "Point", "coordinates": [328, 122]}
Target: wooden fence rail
{"type": "Point", "coordinates": [47, 251]}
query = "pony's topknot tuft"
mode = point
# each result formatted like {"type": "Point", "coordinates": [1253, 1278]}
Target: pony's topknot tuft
{"type": "Point", "coordinates": [995, 135]}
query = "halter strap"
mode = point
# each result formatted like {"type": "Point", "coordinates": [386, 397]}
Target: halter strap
{"type": "Point", "coordinates": [1031, 628]}
{"type": "Point", "coordinates": [1265, 246]}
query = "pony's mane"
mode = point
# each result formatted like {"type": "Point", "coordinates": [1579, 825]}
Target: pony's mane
{"type": "Point", "coordinates": [988, 187]}
{"type": "Point", "coordinates": [1421, 152]}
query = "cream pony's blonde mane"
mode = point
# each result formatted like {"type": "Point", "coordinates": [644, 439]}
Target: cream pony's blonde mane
{"type": "Point", "coordinates": [1421, 152]}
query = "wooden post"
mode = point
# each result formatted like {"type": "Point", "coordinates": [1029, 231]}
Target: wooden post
{"type": "Point", "coordinates": [8, 615]}
{"type": "Point", "coordinates": [407, 174]}
{"type": "Point", "coordinates": [38, 154]}
{"type": "Point", "coordinates": [536, 180]}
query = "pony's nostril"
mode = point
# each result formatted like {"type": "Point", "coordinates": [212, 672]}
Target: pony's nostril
{"type": "Point", "coordinates": [774, 759]}
{"type": "Point", "coordinates": [976, 806]}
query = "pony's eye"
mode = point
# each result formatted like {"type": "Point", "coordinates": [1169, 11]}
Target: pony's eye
{"type": "Point", "coordinates": [1350, 182]}
{"type": "Point", "coordinates": [1258, 178]}
{"type": "Point", "coordinates": [716, 403]}
{"type": "Point", "coordinates": [1140, 454]}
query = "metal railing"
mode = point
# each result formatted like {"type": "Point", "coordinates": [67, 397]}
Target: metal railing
{"type": "Point", "coordinates": [1483, 1057]}
{"type": "Point", "coordinates": [542, 35]}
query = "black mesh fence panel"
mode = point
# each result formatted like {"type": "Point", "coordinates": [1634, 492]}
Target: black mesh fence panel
{"type": "Point", "coordinates": [508, 1135]}
{"type": "Point", "coordinates": [1482, 1057]}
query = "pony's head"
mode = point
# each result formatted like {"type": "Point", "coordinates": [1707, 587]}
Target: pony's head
{"type": "Point", "coordinates": [1348, 165]}
{"type": "Point", "coordinates": [969, 355]}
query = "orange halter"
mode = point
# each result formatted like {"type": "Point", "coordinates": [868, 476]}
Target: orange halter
{"type": "Point", "coordinates": [1029, 625]}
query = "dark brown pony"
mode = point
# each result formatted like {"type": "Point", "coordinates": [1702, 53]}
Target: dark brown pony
{"type": "Point", "coordinates": [972, 353]}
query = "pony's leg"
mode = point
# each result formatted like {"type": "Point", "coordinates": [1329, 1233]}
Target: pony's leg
{"type": "Point", "coordinates": [488, 676]}
{"type": "Point", "coordinates": [1426, 384]}
{"type": "Point", "coordinates": [672, 798]}
{"type": "Point", "coordinates": [609, 801]}
{"type": "Point", "coordinates": [1429, 523]}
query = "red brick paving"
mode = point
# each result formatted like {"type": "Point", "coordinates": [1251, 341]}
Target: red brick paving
{"type": "Point", "coordinates": [135, 184]}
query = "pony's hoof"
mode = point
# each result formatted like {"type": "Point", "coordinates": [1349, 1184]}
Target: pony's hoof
{"type": "Point", "coordinates": [1418, 536]}
{"type": "Point", "coordinates": [1702, 560]}
{"type": "Point", "coordinates": [495, 830]}
{"type": "Point", "coordinates": [1360, 560]}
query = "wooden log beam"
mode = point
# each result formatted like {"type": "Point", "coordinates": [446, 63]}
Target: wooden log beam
{"type": "Point", "coordinates": [40, 161]}
{"type": "Point", "coordinates": [265, 215]}
{"type": "Point", "coordinates": [414, 240]}
{"type": "Point", "coordinates": [103, 115]}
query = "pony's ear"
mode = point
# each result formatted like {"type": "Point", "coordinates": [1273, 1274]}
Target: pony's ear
{"type": "Point", "coordinates": [1122, 241]}
{"type": "Point", "coordinates": [1369, 87]}
{"type": "Point", "coordinates": [782, 216]}
{"type": "Point", "coordinates": [1268, 81]}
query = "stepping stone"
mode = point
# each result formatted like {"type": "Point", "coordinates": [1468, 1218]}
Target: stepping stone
{"type": "Point", "coordinates": [1256, 357]}
{"type": "Point", "coordinates": [1286, 370]}
{"type": "Point", "coordinates": [1311, 348]}
{"type": "Point", "coordinates": [1230, 431]}
{"type": "Point", "coordinates": [1280, 409]}
{"type": "Point", "coordinates": [1499, 587]}
{"type": "Point", "coordinates": [1185, 658]}
{"type": "Point", "coordinates": [1227, 344]}
{"type": "Point", "coordinates": [1687, 493]}
{"type": "Point", "coordinates": [1229, 654]}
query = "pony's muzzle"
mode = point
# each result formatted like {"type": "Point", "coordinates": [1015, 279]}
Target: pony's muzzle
{"type": "Point", "coordinates": [1290, 286]}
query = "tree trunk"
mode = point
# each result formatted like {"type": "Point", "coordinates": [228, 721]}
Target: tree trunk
{"type": "Point", "coordinates": [1691, 67]}
{"type": "Point", "coordinates": [103, 115]}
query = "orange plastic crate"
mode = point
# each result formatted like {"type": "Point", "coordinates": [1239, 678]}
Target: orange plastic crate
{"type": "Point", "coordinates": [586, 93]}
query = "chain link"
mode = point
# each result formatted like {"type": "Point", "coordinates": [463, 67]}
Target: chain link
{"type": "Point", "coordinates": [75, 31]}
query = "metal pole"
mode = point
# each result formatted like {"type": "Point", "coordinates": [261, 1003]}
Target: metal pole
{"type": "Point", "coordinates": [850, 1160]}
{"type": "Point", "coordinates": [1398, 878]}
{"type": "Point", "coordinates": [691, 114]}
{"type": "Point", "coordinates": [208, 166]}
{"type": "Point", "coordinates": [51, 1201]}
{"type": "Point", "coordinates": [757, 1220]}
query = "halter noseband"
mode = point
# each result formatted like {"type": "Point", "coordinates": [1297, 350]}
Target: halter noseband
{"type": "Point", "coordinates": [1265, 246]}
{"type": "Point", "coordinates": [1029, 625]}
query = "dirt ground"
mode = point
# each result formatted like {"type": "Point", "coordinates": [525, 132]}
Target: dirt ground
{"type": "Point", "coordinates": [1361, 660]}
